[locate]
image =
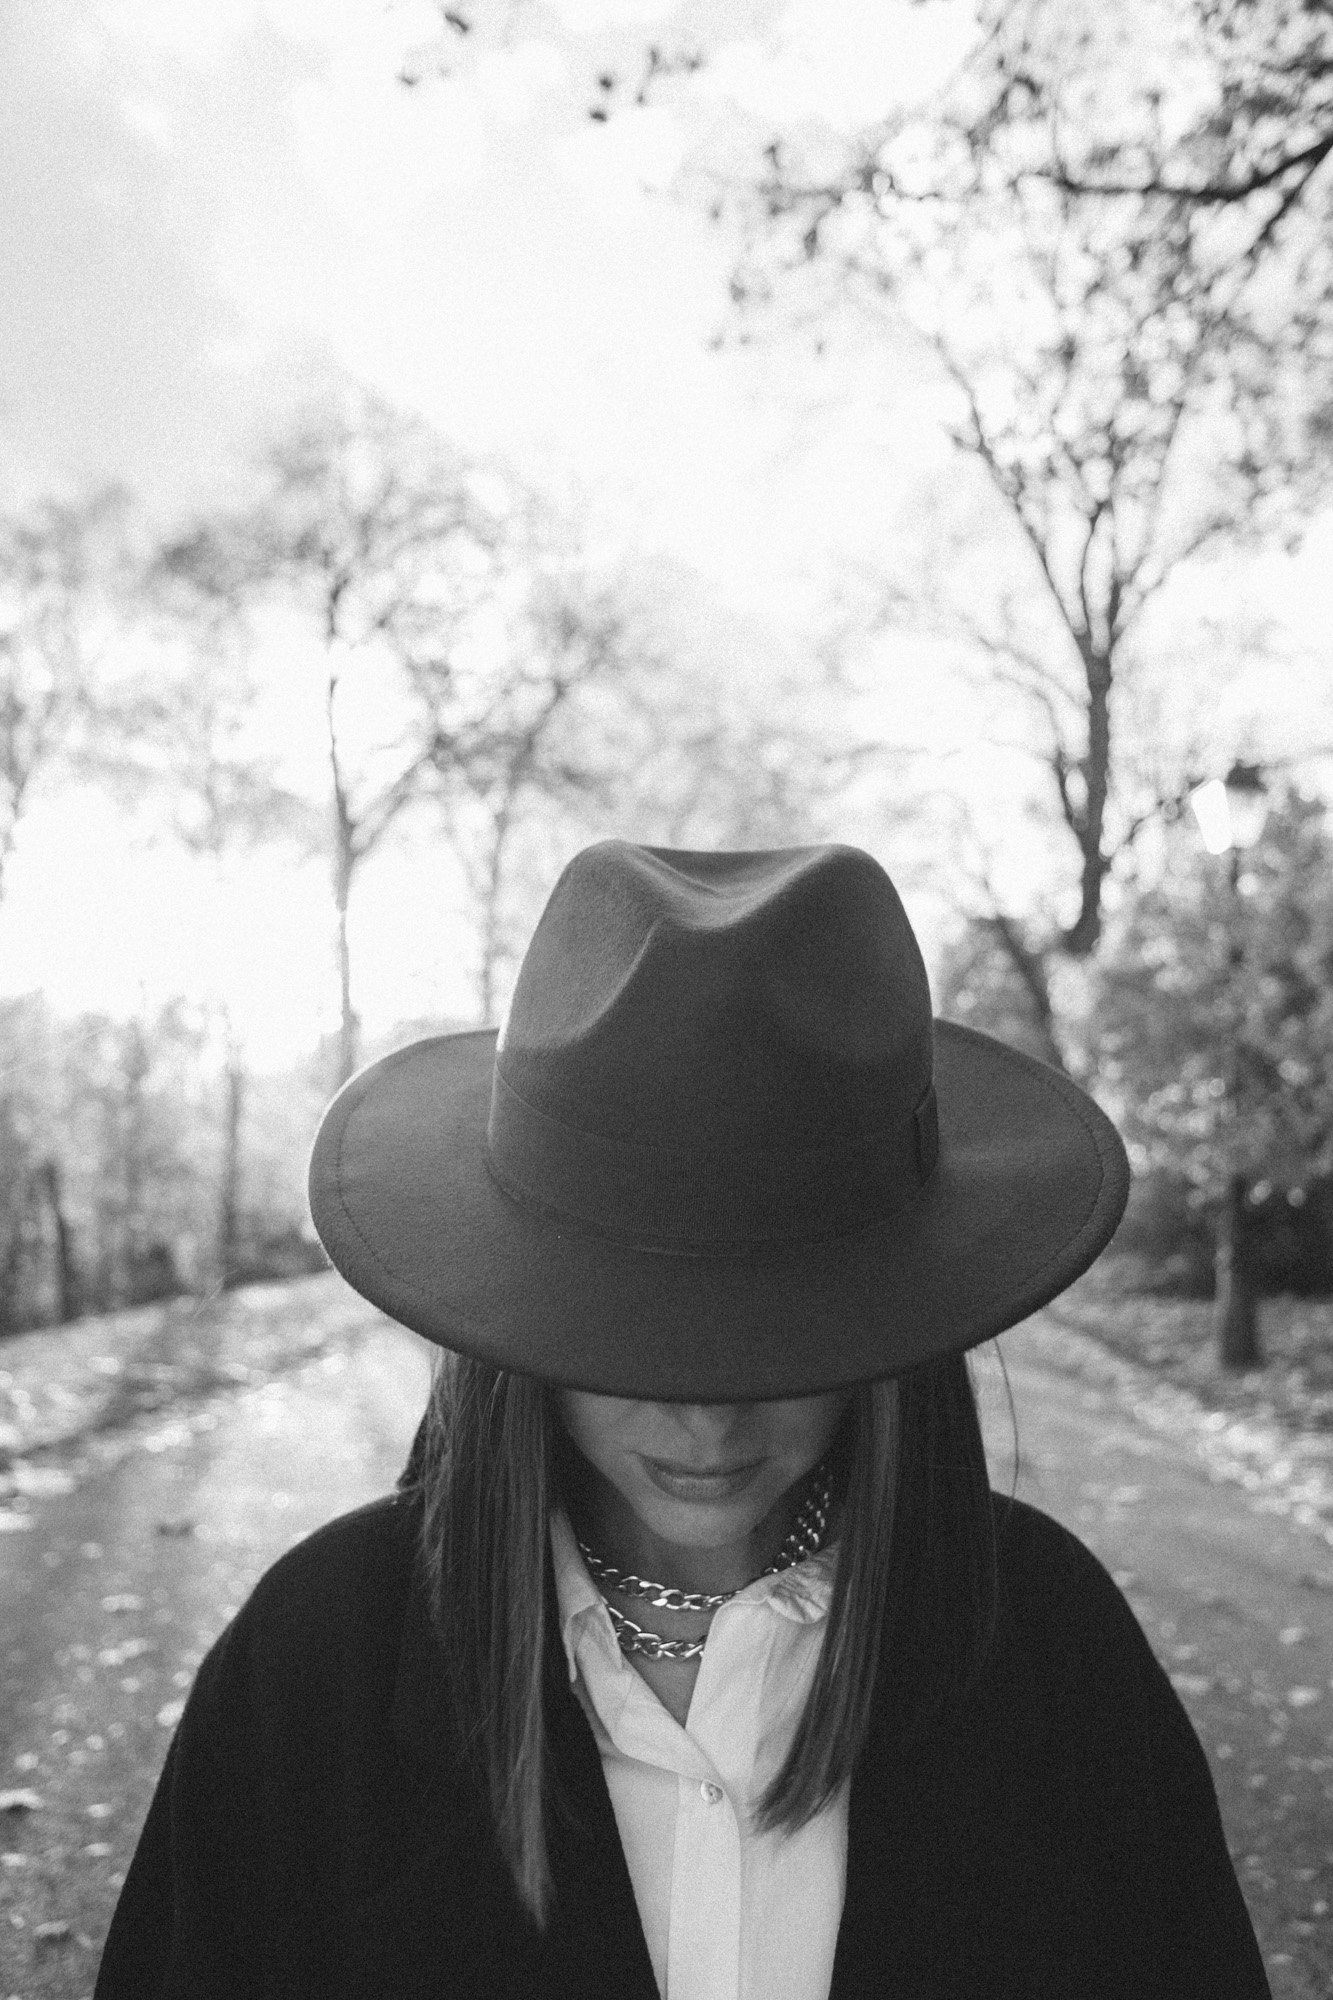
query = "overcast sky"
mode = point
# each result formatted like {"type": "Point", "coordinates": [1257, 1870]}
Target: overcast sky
{"type": "Point", "coordinates": [207, 202]}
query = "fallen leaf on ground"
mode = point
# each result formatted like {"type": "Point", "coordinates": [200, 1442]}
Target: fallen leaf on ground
{"type": "Point", "coordinates": [130, 1649]}
{"type": "Point", "coordinates": [41, 1479]}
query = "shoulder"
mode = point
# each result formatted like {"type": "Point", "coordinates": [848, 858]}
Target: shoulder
{"type": "Point", "coordinates": [1058, 1603]}
{"type": "Point", "coordinates": [331, 1608]}
{"type": "Point", "coordinates": [1069, 1649]}
{"type": "Point", "coordinates": [363, 1557]}
{"type": "Point", "coordinates": [1044, 1566]}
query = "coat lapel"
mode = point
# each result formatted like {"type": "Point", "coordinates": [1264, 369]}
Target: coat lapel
{"type": "Point", "coordinates": [594, 1945]}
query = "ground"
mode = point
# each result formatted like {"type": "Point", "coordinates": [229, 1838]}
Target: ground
{"type": "Point", "coordinates": [156, 1463]}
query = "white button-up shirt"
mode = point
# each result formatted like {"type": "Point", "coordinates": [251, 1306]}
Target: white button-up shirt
{"type": "Point", "coordinates": [728, 1913]}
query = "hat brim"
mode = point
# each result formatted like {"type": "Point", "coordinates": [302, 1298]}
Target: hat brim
{"type": "Point", "coordinates": [1031, 1183]}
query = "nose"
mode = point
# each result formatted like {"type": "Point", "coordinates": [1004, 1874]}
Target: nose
{"type": "Point", "coordinates": [710, 1427]}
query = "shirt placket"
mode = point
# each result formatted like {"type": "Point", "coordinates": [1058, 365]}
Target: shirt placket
{"type": "Point", "coordinates": [703, 1953]}
{"type": "Point", "coordinates": [707, 1906]}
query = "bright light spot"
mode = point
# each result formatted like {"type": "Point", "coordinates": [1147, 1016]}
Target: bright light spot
{"type": "Point", "coordinates": [638, 150]}
{"type": "Point", "coordinates": [582, 17]}
{"type": "Point", "coordinates": [372, 149]}
{"type": "Point", "coordinates": [511, 82]}
{"type": "Point", "coordinates": [852, 66]}
{"type": "Point", "coordinates": [100, 924]}
{"type": "Point", "coordinates": [1213, 812]}
{"type": "Point", "coordinates": [153, 122]}
{"type": "Point", "coordinates": [203, 35]}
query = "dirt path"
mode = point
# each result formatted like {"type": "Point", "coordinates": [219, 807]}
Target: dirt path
{"type": "Point", "coordinates": [1233, 1590]}
{"type": "Point", "coordinates": [110, 1599]}
{"type": "Point", "coordinates": [139, 1540]}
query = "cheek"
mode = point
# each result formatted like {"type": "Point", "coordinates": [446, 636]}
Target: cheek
{"type": "Point", "coordinates": [595, 1425]}
{"type": "Point", "coordinates": [807, 1429]}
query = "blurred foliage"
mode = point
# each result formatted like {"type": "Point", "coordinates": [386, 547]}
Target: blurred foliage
{"type": "Point", "coordinates": [978, 982]}
{"type": "Point", "coordinates": [1205, 998]}
{"type": "Point", "coordinates": [1212, 1017]}
{"type": "Point", "coordinates": [113, 1156]}
{"type": "Point", "coordinates": [64, 570]}
{"type": "Point", "coordinates": [1205, 1024]}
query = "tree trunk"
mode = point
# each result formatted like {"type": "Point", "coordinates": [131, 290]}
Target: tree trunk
{"type": "Point", "coordinates": [344, 859]}
{"type": "Point", "coordinates": [1086, 818]}
{"type": "Point", "coordinates": [490, 916]}
{"type": "Point", "coordinates": [230, 1195]}
{"type": "Point", "coordinates": [67, 1299]}
{"type": "Point", "coordinates": [11, 1261]}
{"type": "Point", "coordinates": [132, 1245]}
{"type": "Point", "coordinates": [1235, 1306]}
{"type": "Point", "coordinates": [348, 1025]}
{"type": "Point", "coordinates": [347, 1021]}
{"type": "Point", "coordinates": [1032, 970]}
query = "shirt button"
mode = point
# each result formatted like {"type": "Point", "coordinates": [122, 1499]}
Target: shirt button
{"type": "Point", "coordinates": [710, 1794]}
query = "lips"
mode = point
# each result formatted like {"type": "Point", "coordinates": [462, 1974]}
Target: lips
{"type": "Point", "coordinates": [692, 1482]}
{"type": "Point", "coordinates": [701, 1471]}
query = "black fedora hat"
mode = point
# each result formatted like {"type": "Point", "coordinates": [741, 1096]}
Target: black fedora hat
{"type": "Point", "coordinates": [720, 1151]}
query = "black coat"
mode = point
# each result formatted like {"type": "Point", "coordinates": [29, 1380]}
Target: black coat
{"type": "Point", "coordinates": [312, 1837]}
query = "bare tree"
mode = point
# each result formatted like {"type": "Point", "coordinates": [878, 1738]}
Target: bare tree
{"type": "Point", "coordinates": [62, 564]}
{"type": "Point", "coordinates": [1109, 255]}
{"type": "Point", "coordinates": [179, 752]}
{"type": "Point", "coordinates": [1212, 104]}
{"type": "Point", "coordinates": [367, 526]}
{"type": "Point", "coordinates": [58, 573]}
{"type": "Point", "coordinates": [1122, 420]}
{"type": "Point", "coordinates": [1226, 105]}
{"type": "Point", "coordinates": [620, 705]}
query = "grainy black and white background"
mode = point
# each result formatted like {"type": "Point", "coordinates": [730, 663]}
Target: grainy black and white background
{"type": "Point", "coordinates": [432, 439]}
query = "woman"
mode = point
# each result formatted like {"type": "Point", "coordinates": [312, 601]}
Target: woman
{"type": "Point", "coordinates": [694, 1655]}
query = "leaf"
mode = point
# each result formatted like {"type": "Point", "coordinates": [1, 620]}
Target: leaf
{"type": "Point", "coordinates": [41, 1479]}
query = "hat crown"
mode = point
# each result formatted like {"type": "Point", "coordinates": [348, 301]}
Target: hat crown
{"type": "Point", "coordinates": [721, 1003]}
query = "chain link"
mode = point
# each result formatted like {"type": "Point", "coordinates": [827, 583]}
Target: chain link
{"type": "Point", "coordinates": [804, 1539]}
{"type": "Point", "coordinates": [651, 1645]}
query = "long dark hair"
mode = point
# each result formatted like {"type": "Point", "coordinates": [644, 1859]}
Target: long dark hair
{"type": "Point", "coordinates": [916, 1577]}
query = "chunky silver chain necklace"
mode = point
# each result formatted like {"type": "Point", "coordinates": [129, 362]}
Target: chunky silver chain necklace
{"type": "Point", "coordinates": [805, 1538]}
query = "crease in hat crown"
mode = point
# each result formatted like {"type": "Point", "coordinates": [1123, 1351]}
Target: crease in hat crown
{"type": "Point", "coordinates": [717, 1048]}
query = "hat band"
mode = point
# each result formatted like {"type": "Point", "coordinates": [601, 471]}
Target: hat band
{"type": "Point", "coordinates": [664, 1198]}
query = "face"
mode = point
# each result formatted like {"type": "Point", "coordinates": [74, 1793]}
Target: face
{"type": "Point", "coordinates": [697, 1476]}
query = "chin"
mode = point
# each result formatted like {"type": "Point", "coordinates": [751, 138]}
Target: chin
{"type": "Point", "coordinates": [702, 1524]}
